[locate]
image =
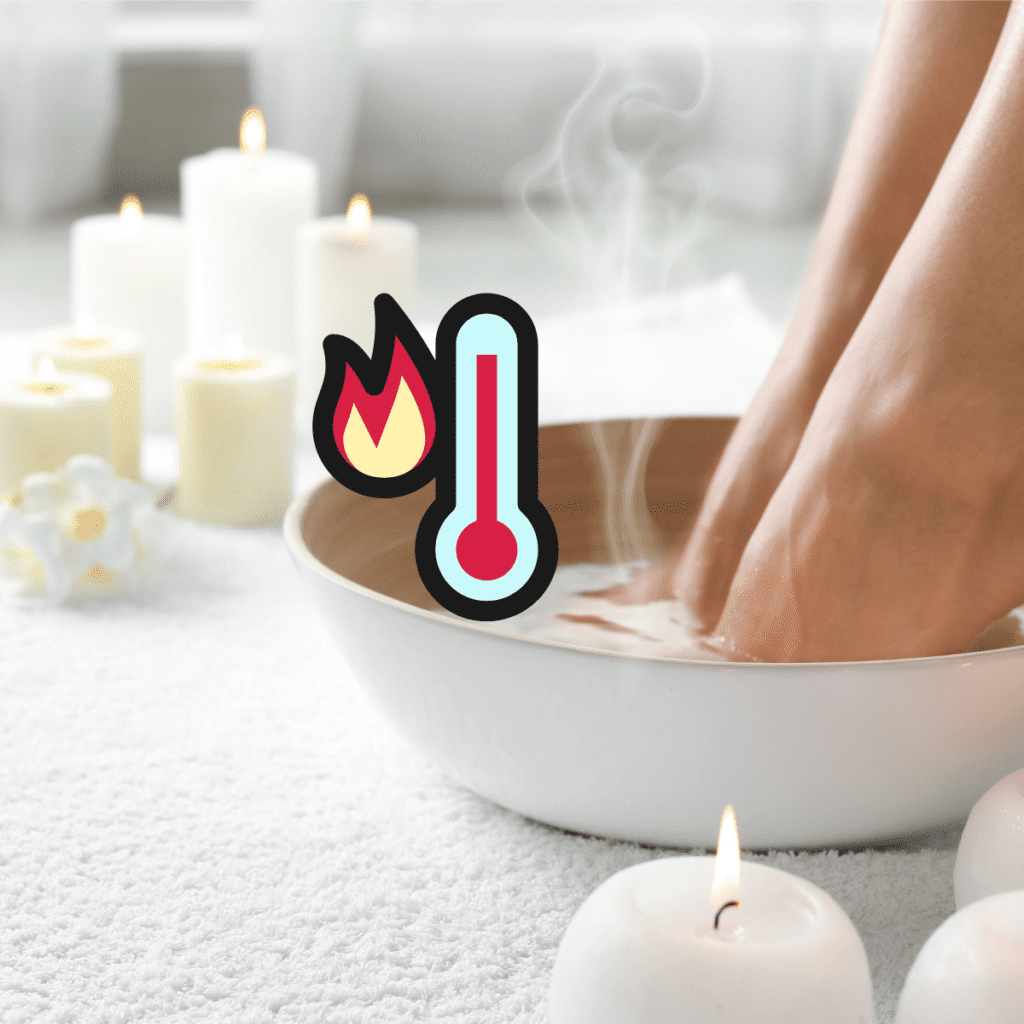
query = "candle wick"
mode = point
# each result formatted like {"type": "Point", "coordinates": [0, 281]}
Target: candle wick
{"type": "Point", "coordinates": [725, 906]}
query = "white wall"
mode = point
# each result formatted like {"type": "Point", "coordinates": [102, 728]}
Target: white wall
{"type": "Point", "coordinates": [743, 104]}
{"type": "Point", "coordinates": [459, 96]}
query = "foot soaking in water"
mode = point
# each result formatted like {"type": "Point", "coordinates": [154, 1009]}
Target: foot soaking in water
{"type": "Point", "coordinates": [578, 609]}
{"type": "Point", "coordinates": [583, 607]}
{"type": "Point", "coordinates": [870, 504]}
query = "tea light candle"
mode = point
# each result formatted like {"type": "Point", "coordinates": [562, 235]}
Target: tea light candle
{"type": "Point", "coordinates": [649, 945]}
{"type": "Point", "coordinates": [990, 858]}
{"type": "Point", "coordinates": [117, 357]}
{"type": "Point", "coordinates": [971, 969]}
{"type": "Point", "coordinates": [235, 424]}
{"type": "Point", "coordinates": [344, 264]}
{"type": "Point", "coordinates": [242, 210]}
{"type": "Point", "coordinates": [128, 270]}
{"type": "Point", "coordinates": [47, 419]}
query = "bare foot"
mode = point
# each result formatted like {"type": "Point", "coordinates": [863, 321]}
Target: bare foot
{"type": "Point", "coordinates": [898, 531]}
{"type": "Point", "coordinates": [890, 537]}
{"type": "Point", "coordinates": [755, 460]}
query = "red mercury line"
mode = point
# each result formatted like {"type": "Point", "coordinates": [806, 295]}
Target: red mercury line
{"type": "Point", "coordinates": [487, 439]}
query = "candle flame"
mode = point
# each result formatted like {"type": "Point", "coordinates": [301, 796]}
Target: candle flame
{"type": "Point", "coordinates": [358, 219]}
{"type": "Point", "coordinates": [233, 347]}
{"type": "Point", "coordinates": [131, 211]}
{"type": "Point", "coordinates": [725, 885]}
{"type": "Point", "coordinates": [47, 371]}
{"type": "Point", "coordinates": [252, 132]}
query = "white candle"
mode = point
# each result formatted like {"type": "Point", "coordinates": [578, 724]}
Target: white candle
{"type": "Point", "coordinates": [128, 270]}
{"type": "Point", "coordinates": [990, 858]}
{"type": "Point", "coordinates": [117, 357]}
{"type": "Point", "coordinates": [242, 210]}
{"type": "Point", "coordinates": [235, 423]}
{"type": "Point", "coordinates": [344, 264]}
{"type": "Point", "coordinates": [47, 419]}
{"type": "Point", "coordinates": [971, 969]}
{"type": "Point", "coordinates": [644, 947]}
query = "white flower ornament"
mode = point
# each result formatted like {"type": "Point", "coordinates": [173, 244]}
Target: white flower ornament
{"type": "Point", "coordinates": [81, 528]}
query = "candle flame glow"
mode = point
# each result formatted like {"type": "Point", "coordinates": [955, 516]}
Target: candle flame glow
{"type": "Point", "coordinates": [131, 211]}
{"type": "Point", "coordinates": [358, 219]}
{"type": "Point", "coordinates": [252, 132]}
{"type": "Point", "coordinates": [47, 371]}
{"type": "Point", "coordinates": [233, 347]}
{"type": "Point", "coordinates": [725, 885]}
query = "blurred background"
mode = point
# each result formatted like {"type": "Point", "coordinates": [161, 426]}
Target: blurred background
{"type": "Point", "coordinates": [563, 153]}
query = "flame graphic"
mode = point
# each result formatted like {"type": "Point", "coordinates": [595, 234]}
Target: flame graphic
{"type": "Point", "coordinates": [388, 434]}
{"type": "Point", "coordinates": [374, 423]}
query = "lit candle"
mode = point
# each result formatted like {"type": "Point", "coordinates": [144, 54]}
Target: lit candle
{"type": "Point", "coordinates": [242, 210]}
{"type": "Point", "coordinates": [971, 969]}
{"type": "Point", "coordinates": [990, 858]}
{"type": "Point", "coordinates": [115, 356]}
{"type": "Point", "coordinates": [128, 271]}
{"type": "Point", "coordinates": [47, 419]}
{"type": "Point", "coordinates": [235, 424]}
{"type": "Point", "coordinates": [344, 264]}
{"type": "Point", "coordinates": [649, 945]}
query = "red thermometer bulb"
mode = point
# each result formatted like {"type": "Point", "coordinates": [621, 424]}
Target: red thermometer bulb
{"type": "Point", "coordinates": [486, 548]}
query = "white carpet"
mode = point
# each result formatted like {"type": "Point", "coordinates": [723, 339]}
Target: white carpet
{"type": "Point", "coordinates": [203, 819]}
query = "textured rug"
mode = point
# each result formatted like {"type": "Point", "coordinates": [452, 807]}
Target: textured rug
{"type": "Point", "coordinates": [202, 818]}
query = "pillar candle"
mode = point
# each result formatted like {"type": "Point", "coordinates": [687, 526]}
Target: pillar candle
{"type": "Point", "coordinates": [128, 271]}
{"type": "Point", "coordinates": [235, 424]}
{"type": "Point", "coordinates": [344, 263]}
{"type": "Point", "coordinates": [117, 357]}
{"type": "Point", "coordinates": [242, 210]}
{"type": "Point", "coordinates": [47, 419]}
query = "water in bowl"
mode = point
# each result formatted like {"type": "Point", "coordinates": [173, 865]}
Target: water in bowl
{"type": "Point", "coordinates": [576, 610]}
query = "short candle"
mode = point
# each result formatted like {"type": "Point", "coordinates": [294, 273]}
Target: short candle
{"type": "Point", "coordinates": [117, 357]}
{"type": "Point", "coordinates": [990, 858]}
{"type": "Point", "coordinates": [971, 969]}
{"type": "Point", "coordinates": [235, 424]}
{"type": "Point", "coordinates": [667, 941]}
{"type": "Point", "coordinates": [47, 419]}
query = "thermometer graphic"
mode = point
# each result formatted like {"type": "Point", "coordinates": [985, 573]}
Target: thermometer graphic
{"type": "Point", "coordinates": [486, 548]}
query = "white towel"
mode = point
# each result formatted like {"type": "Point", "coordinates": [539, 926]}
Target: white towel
{"type": "Point", "coordinates": [202, 818]}
{"type": "Point", "coordinates": [702, 351]}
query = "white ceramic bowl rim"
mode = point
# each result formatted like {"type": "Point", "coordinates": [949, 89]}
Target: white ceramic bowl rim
{"type": "Point", "coordinates": [292, 528]}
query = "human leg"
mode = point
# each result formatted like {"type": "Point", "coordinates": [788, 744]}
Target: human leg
{"type": "Point", "coordinates": [930, 61]}
{"type": "Point", "coordinates": [898, 530]}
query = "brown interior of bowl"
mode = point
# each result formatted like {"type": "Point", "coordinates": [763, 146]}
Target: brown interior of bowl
{"type": "Point", "coordinates": [584, 475]}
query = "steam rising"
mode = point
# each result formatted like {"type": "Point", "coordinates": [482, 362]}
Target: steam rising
{"type": "Point", "coordinates": [618, 185]}
{"type": "Point", "coordinates": [619, 188]}
{"type": "Point", "coordinates": [622, 448]}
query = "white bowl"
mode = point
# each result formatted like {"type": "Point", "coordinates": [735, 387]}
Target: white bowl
{"type": "Point", "coordinates": [652, 749]}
